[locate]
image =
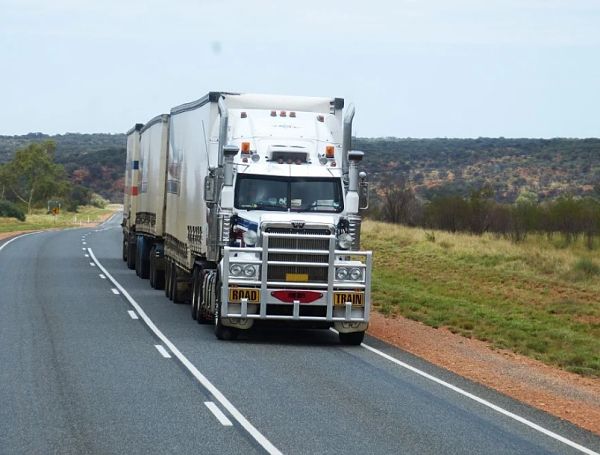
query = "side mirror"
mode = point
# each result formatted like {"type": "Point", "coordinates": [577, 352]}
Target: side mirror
{"type": "Point", "coordinates": [363, 191]}
{"type": "Point", "coordinates": [210, 188]}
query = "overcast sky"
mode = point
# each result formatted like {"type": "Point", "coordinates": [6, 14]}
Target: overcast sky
{"type": "Point", "coordinates": [413, 68]}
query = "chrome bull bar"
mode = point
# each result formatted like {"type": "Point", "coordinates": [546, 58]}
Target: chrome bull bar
{"type": "Point", "coordinates": [323, 309]}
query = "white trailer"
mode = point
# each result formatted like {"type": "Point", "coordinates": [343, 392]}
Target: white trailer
{"type": "Point", "coordinates": [131, 193]}
{"type": "Point", "coordinates": [150, 215]}
{"type": "Point", "coordinates": [261, 214]}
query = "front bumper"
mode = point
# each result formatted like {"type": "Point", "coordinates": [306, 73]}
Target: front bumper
{"type": "Point", "coordinates": [344, 303]}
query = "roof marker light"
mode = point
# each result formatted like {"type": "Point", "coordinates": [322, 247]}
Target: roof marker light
{"type": "Point", "coordinates": [329, 151]}
{"type": "Point", "coordinates": [245, 148]}
{"type": "Point", "coordinates": [273, 114]}
{"type": "Point", "coordinates": [243, 115]}
{"type": "Point", "coordinates": [292, 114]}
{"type": "Point", "coordinates": [282, 114]}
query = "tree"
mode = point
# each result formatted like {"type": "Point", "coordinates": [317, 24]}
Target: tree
{"type": "Point", "coordinates": [32, 176]}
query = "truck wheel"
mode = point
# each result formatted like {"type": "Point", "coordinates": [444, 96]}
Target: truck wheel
{"type": "Point", "coordinates": [130, 254]}
{"type": "Point", "coordinates": [223, 332]}
{"type": "Point", "coordinates": [195, 294]}
{"type": "Point", "coordinates": [177, 296]}
{"type": "Point", "coordinates": [124, 249]}
{"type": "Point", "coordinates": [144, 258]}
{"type": "Point", "coordinates": [352, 339]}
{"type": "Point", "coordinates": [168, 279]}
{"type": "Point", "coordinates": [152, 267]}
{"type": "Point", "coordinates": [202, 316]}
{"type": "Point", "coordinates": [138, 252]}
{"type": "Point", "coordinates": [159, 278]}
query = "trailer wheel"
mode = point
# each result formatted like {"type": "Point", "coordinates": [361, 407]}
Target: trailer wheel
{"type": "Point", "coordinates": [151, 266]}
{"type": "Point", "coordinates": [168, 279]}
{"type": "Point", "coordinates": [157, 277]}
{"type": "Point", "coordinates": [124, 254]}
{"type": "Point", "coordinates": [177, 295]}
{"type": "Point", "coordinates": [143, 257]}
{"type": "Point", "coordinates": [352, 339]}
{"type": "Point", "coordinates": [130, 254]}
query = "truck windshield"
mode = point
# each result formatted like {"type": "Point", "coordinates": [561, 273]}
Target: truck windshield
{"type": "Point", "coordinates": [259, 192]}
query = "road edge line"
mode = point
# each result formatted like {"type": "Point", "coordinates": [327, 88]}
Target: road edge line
{"type": "Point", "coordinates": [482, 401]}
{"type": "Point", "coordinates": [9, 241]}
{"type": "Point", "coordinates": [203, 380]}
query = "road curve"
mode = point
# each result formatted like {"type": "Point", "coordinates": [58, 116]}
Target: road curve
{"type": "Point", "coordinates": [82, 372]}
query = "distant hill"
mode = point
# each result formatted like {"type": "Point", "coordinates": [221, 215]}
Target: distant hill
{"type": "Point", "coordinates": [549, 167]}
{"type": "Point", "coordinates": [96, 161]}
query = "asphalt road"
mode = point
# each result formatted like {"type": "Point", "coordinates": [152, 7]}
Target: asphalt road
{"type": "Point", "coordinates": [79, 375]}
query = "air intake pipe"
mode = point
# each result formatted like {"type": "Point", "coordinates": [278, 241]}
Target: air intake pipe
{"type": "Point", "coordinates": [352, 199]}
{"type": "Point", "coordinates": [347, 139]}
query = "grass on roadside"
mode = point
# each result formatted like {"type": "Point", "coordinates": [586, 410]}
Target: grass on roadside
{"type": "Point", "coordinates": [39, 219]}
{"type": "Point", "coordinates": [537, 298]}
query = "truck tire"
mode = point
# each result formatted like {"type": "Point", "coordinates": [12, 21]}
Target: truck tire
{"type": "Point", "coordinates": [352, 339]}
{"type": "Point", "coordinates": [177, 295]}
{"type": "Point", "coordinates": [142, 265]}
{"type": "Point", "coordinates": [196, 292]}
{"type": "Point", "coordinates": [151, 267]}
{"type": "Point", "coordinates": [130, 254]}
{"type": "Point", "coordinates": [124, 254]}
{"type": "Point", "coordinates": [168, 279]}
{"type": "Point", "coordinates": [223, 332]}
{"type": "Point", "coordinates": [202, 316]}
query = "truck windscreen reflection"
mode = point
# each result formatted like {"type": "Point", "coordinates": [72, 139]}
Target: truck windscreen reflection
{"type": "Point", "coordinates": [288, 194]}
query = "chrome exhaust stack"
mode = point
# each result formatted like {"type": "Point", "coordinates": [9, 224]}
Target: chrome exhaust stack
{"type": "Point", "coordinates": [347, 140]}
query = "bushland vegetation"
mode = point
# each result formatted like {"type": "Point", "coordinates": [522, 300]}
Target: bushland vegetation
{"type": "Point", "coordinates": [567, 217]}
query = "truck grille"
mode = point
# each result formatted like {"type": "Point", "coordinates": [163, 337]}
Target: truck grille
{"type": "Point", "coordinates": [320, 241]}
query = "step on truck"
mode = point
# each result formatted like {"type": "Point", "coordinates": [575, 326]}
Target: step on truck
{"type": "Point", "coordinates": [248, 207]}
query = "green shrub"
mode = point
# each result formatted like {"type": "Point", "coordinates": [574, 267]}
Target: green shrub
{"type": "Point", "coordinates": [98, 201]}
{"type": "Point", "coordinates": [587, 267]}
{"type": "Point", "coordinates": [10, 210]}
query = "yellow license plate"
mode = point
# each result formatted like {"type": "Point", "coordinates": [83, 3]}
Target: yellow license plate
{"type": "Point", "coordinates": [296, 277]}
{"type": "Point", "coordinates": [357, 298]}
{"type": "Point", "coordinates": [237, 294]}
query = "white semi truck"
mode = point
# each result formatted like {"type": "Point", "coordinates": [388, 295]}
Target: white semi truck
{"type": "Point", "coordinates": [248, 208]}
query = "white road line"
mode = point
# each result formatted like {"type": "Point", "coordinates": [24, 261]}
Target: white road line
{"type": "Point", "coordinates": [133, 314]}
{"type": "Point", "coordinates": [84, 243]}
{"type": "Point", "coordinates": [102, 276]}
{"type": "Point", "coordinates": [84, 248]}
{"type": "Point", "coordinates": [237, 415]}
{"type": "Point", "coordinates": [115, 291]}
{"type": "Point", "coordinates": [162, 351]}
{"type": "Point", "coordinates": [87, 255]}
{"type": "Point", "coordinates": [218, 414]}
{"type": "Point", "coordinates": [490, 405]}
{"type": "Point", "coordinates": [8, 242]}
{"type": "Point", "coordinates": [92, 264]}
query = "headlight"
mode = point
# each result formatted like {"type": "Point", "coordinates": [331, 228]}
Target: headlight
{"type": "Point", "coordinates": [341, 273]}
{"type": "Point", "coordinates": [344, 241]}
{"type": "Point", "coordinates": [250, 238]}
{"type": "Point", "coordinates": [249, 271]}
{"type": "Point", "coordinates": [355, 274]}
{"type": "Point", "coordinates": [236, 269]}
